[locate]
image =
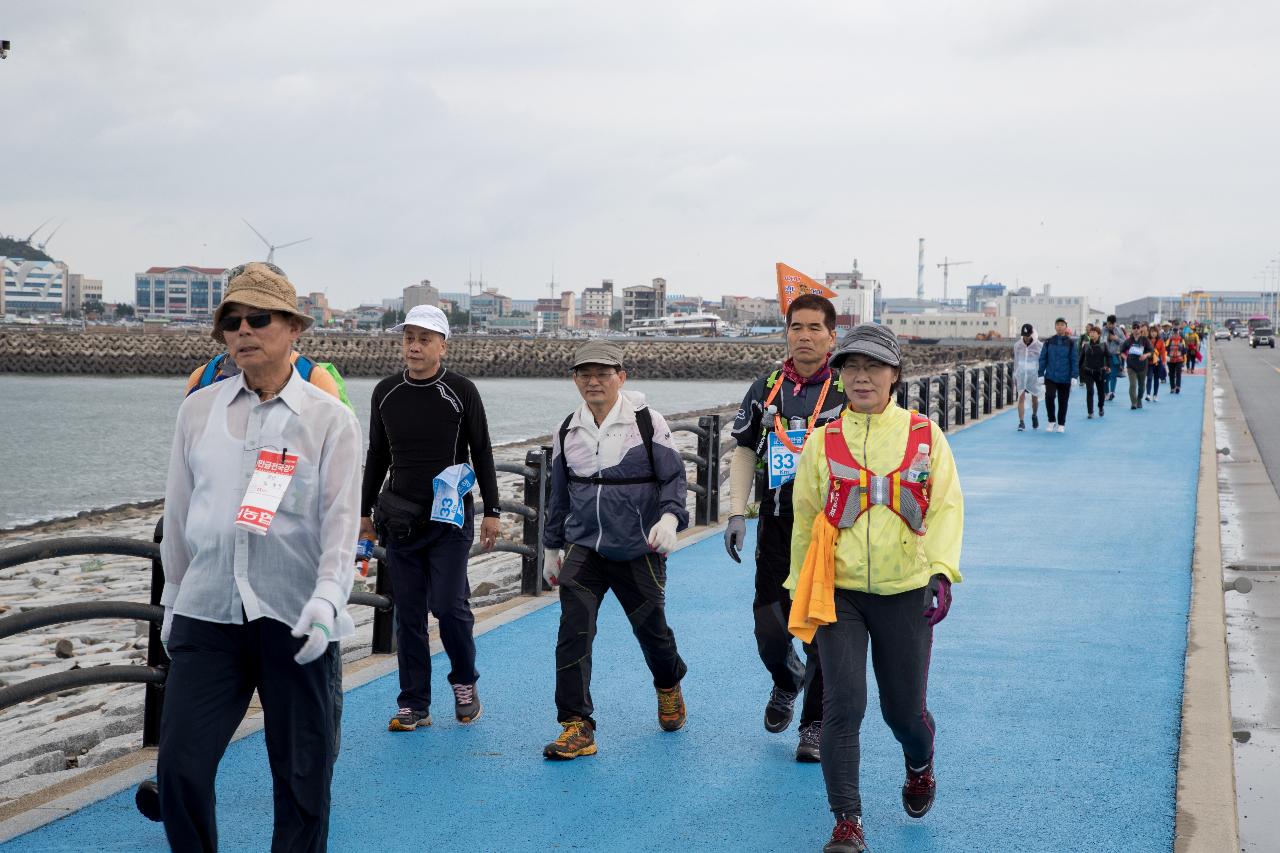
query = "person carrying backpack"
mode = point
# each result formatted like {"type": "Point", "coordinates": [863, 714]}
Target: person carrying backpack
{"type": "Point", "coordinates": [618, 491]}
{"type": "Point", "coordinates": [1176, 353]}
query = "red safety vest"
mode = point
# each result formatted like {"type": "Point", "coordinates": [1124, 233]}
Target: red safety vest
{"type": "Point", "coordinates": [853, 490]}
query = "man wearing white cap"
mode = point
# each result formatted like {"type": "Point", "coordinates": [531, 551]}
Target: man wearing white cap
{"type": "Point", "coordinates": [428, 427]}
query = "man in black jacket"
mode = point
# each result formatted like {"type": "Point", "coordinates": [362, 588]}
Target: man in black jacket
{"type": "Point", "coordinates": [425, 423]}
{"type": "Point", "coordinates": [1095, 366]}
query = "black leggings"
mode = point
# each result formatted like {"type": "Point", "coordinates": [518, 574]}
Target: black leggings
{"type": "Point", "coordinates": [1056, 395]}
{"type": "Point", "coordinates": [1175, 377]}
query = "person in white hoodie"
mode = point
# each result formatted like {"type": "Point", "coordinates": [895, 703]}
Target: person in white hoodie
{"type": "Point", "coordinates": [1026, 375]}
{"type": "Point", "coordinates": [618, 492]}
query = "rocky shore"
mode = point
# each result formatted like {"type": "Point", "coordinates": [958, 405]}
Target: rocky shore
{"type": "Point", "coordinates": [57, 737]}
{"type": "Point", "coordinates": [172, 353]}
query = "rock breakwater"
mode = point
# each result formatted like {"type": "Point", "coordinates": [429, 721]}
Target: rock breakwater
{"type": "Point", "coordinates": [178, 353]}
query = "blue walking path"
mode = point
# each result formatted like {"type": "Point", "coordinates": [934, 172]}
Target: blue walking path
{"type": "Point", "coordinates": [1056, 682]}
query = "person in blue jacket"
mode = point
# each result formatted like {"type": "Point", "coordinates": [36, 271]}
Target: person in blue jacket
{"type": "Point", "coordinates": [1060, 366]}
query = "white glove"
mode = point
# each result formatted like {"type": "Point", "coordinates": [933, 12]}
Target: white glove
{"type": "Point", "coordinates": [316, 624]}
{"type": "Point", "coordinates": [551, 565]}
{"type": "Point", "coordinates": [662, 538]}
{"type": "Point", "coordinates": [166, 625]}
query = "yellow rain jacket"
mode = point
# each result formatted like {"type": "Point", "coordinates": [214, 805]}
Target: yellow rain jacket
{"type": "Point", "coordinates": [879, 553]}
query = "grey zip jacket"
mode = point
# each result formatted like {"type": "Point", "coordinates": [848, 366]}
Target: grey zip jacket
{"type": "Point", "coordinates": [613, 520]}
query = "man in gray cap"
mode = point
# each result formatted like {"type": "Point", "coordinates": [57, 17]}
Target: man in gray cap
{"type": "Point", "coordinates": [612, 459]}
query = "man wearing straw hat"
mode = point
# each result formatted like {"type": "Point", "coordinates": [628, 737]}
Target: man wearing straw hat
{"type": "Point", "coordinates": [260, 523]}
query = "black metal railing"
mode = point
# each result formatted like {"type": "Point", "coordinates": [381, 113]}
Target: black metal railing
{"type": "Point", "coordinates": [964, 394]}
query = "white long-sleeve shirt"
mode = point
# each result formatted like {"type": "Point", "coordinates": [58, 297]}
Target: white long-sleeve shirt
{"type": "Point", "coordinates": [212, 568]}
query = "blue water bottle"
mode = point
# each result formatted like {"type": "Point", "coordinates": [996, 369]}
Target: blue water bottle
{"type": "Point", "coordinates": [364, 551]}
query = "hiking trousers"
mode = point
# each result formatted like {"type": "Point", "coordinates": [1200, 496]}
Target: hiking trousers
{"type": "Point", "coordinates": [1095, 382]}
{"type": "Point", "coordinates": [1175, 377]}
{"type": "Point", "coordinates": [900, 638]}
{"type": "Point", "coordinates": [639, 584]}
{"type": "Point", "coordinates": [1137, 379]}
{"type": "Point", "coordinates": [1056, 396]}
{"type": "Point", "coordinates": [772, 609]}
{"type": "Point", "coordinates": [215, 669]}
{"type": "Point", "coordinates": [429, 573]}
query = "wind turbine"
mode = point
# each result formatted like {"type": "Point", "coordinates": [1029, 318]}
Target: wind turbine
{"type": "Point", "coordinates": [271, 250]}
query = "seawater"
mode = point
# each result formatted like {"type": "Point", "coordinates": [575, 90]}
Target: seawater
{"type": "Point", "coordinates": [71, 443]}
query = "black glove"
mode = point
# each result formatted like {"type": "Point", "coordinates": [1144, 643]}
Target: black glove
{"type": "Point", "coordinates": [735, 533]}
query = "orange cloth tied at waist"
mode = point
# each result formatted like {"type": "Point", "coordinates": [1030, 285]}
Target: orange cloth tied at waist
{"type": "Point", "coordinates": [814, 602]}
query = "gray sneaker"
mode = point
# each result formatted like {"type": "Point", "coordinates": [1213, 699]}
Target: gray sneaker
{"type": "Point", "coordinates": [778, 711]}
{"type": "Point", "coordinates": [466, 703]}
{"type": "Point", "coordinates": [807, 751]}
{"type": "Point", "coordinates": [407, 719]}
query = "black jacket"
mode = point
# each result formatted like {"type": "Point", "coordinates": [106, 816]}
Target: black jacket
{"type": "Point", "coordinates": [1094, 360]}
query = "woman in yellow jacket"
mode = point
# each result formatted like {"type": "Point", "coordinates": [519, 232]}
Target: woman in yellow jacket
{"type": "Point", "coordinates": [879, 520]}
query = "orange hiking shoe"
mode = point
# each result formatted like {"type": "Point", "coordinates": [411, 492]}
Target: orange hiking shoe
{"type": "Point", "coordinates": [578, 738]}
{"type": "Point", "coordinates": [671, 710]}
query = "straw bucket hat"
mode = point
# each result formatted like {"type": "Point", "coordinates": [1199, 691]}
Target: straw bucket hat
{"type": "Point", "coordinates": [259, 285]}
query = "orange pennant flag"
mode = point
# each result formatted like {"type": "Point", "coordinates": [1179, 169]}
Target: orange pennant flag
{"type": "Point", "coordinates": [793, 283]}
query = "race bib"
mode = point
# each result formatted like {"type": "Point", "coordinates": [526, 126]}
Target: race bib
{"type": "Point", "coordinates": [1136, 351]}
{"type": "Point", "coordinates": [451, 486]}
{"type": "Point", "coordinates": [271, 476]}
{"type": "Point", "coordinates": [782, 460]}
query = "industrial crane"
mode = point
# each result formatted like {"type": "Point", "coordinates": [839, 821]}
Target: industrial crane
{"type": "Point", "coordinates": [946, 266]}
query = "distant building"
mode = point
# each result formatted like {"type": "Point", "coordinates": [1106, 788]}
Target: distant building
{"type": "Point", "coordinates": [462, 299]}
{"type": "Point", "coordinates": [316, 306]}
{"type": "Point", "coordinates": [598, 301]}
{"type": "Point", "coordinates": [644, 301]}
{"type": "Point", "coordinates": [981, 294]}
{"type": "Point", "coordinates": [513, 325]}
{"type": "Point", "coordinates": [749, 310]}
{"type": "Point", "coordinates": [524, 306]}
{"type": "Point", "coordinates": [81, 290]}
{"type": "Point", "coordinates": [179, 293]}
{"type": "Point", "coordinates": [898, 305]}
{"type": "Point", "coordinates": [1212, 306]}
{"type": "Point", "coordinates": [365, 317]}
{"type": "Point", "coordinates": [34, 287]}
{"type": "Point", "coordinates": [490, 303]}
{"type": "Point", "coordinates": [419, 294]}
{"type": "Point", "coordinates": [395, 303]}
{"type": "Point", "coordinates": [1043, 309]}
{"type": "Point", "coordinates": [951, 324]}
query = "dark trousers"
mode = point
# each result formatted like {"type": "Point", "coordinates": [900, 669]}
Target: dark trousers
{"type": "Point", "coordinates": [1056, 395]}
{"type": "Point", "coordinates": [1175, 377]}
{"type": "Point", "coordinates": [214, 672]}
{"type": "Point", "coordinates": [1094, 382]}
{"type": "Point", "coordinates": [1153, 380]}
{"type": "Point", "coordinates": [640, 585]}
{"type": "Point", "coordinates": [1116, 369]}
{"type": "Point", "coordinates": [772, 607]}
{"type": "Point", "coordinates": [901, 640]}
{"type": "Point", "coordinates": [1137, 380]}
{"type": "Point", "coordinates": [429, 573]}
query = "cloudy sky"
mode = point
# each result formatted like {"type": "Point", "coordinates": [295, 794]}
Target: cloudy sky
{"type": "Point", "coordinates": [1114, 148]}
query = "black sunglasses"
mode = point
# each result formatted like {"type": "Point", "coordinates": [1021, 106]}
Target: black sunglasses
{"type": "Point", "coordinates": [257, 320]}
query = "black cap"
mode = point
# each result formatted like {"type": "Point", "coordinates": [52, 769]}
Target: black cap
{"type": "Point", "coordinates": [1028, 329]}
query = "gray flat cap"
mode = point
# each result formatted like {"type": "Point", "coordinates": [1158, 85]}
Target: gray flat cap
{"type": "Point", "coordinates": [869, 339]}
{"type": "Point", "coordinates": [598, 352]}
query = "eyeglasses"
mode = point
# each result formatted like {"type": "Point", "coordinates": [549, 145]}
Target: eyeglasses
{"type": "Point", "coordinates": [256, 320]}
{"type": "Point", "coordinates": [594, 375]}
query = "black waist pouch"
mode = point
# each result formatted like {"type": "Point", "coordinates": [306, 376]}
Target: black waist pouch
{"type": "Point", "coordinates": [399, 516]}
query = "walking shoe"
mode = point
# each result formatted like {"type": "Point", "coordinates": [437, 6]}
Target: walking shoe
{"type": "Point", "coordinates": [1035, 421]}
{"type": "Point", "coordinates": [1101, 413]}
{"type": "Point", "coordinates": [466, 703]}
{"type": "Point", "coordinates": [1132, 407]}
{"type": "Point", "coordinates": [1090, 416]}
{"type": "Point", "coordinates": [578, 738]}
{"type": "Point", "coordinates": [1021, 426]}
{"type": "Point", "coordinates": [147, 799]}
{"type": "Point", "coordinates": [407, 719]}
{"type": "Point", "coordinates": [1111, 396]}
{"type": "Point", "coordinates": [847, 837]}
{"type": "Point", "coordinates": [671, 711]}
{"type": "Point", "coordinates": [918, 791]}
{"type": "Point", "coordinates": [807, 752]}
{"type": "Point", "coordinates": [1062, 427]}
{"type": "Point", "coordinates": [778, 710]}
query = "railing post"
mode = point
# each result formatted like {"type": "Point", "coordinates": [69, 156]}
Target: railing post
{"type": "Point", "coordinates": [974, 379]}
{"type": "Point", "coordinates": [944, 402]}
{"type": "Point", "coordinates": [542, 515]}
{"type": "Point", "coordinates": [534, 496]}
{"type": "Point", "coordinates": [926, 385]}
{"type": "Point", "coordinates": [153, 705]}
{"type": "Point", "coordinates": [1008, 384]}
{"type": "Point", "coordinates": [999, 387]}
{"type": "Point", "coordinates": [904, 394]}
{"type": "Point", "coordinates": [706, 506]}
{"type": "Point", "coordinates": [960, 378]}
{"type": "Point", "coordinates": [987, 373]}
{"type": "Point", "coordinates": [384, 621]}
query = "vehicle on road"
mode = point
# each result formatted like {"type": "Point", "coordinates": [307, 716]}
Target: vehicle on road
{"type": "Point", "coordinates": [1263, 336]}
{"type": "Point", "coordinates": [1222, 334]}
{"type": "Point", "coordinates": [1258, 320]}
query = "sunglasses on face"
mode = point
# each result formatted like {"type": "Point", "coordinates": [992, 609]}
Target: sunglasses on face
{"type": "Point", "coordinates": [257, 320]}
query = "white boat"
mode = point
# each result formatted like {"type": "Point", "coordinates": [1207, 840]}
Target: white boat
{"type": "Point", "coordinates": [706, 325]}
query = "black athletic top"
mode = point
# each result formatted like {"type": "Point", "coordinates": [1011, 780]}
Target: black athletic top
{"type": "Point", "coordinates": [419, 427]}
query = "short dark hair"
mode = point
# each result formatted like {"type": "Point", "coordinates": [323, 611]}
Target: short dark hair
{"type": "Point", "coordinates": [1111, 318]}
{"type": "Point", "coordinates": [1062, 320]}
{"type": "Point", "coordinates": [814, 302]}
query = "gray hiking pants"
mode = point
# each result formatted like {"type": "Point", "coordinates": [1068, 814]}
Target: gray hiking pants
{"type": "Point", "coordinates": [900, 639]}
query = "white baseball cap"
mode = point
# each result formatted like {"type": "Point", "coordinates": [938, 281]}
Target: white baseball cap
{"type": "Point", "coordinates": [425, 317]}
